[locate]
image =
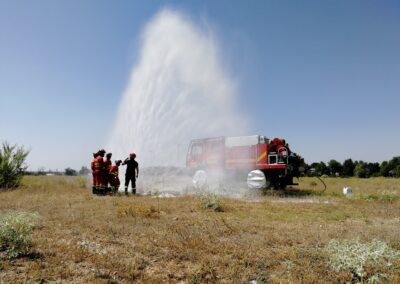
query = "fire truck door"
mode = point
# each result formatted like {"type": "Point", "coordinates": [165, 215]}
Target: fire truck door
{"type": "Point", "coordinates": [195, 157]}
{"type": "Point", "coordinates": [215, 154]}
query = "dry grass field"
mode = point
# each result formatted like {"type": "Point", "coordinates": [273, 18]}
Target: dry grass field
{"type": "Point", "coordinates": [280, 237]}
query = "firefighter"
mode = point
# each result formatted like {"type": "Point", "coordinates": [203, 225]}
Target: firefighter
{"type": "Point", "coordinates": [114, 179]}
{"type": "Point", "coordinates": [132, 172]}
{"type": "Point", "coordinates": [107, 167]}
{"type": "Point", "coordinates": [100, 172]}
{"type": "Point", "coordinates": [94, 175]}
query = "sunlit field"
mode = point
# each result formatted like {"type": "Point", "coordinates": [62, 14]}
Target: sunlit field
{"type": "Point", "coordinates": [275, 237]}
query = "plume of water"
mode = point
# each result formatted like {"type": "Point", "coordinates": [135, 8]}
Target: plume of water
{"type": "Point", "coordinates": [177, 91]}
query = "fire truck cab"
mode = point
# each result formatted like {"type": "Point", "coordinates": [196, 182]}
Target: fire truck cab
{"type": "Point", "coordinates": [268, 163]}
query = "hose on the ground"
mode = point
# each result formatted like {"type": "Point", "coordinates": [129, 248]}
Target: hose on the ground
{"type": "Point", "coordinates": [322, 183]}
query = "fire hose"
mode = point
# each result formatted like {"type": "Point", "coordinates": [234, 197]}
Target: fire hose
{"type": "Point", "coordinates": [322, 183]}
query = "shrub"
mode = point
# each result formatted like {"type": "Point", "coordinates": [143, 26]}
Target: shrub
{"type": "Point", "coordinates": [15, 233]}
{"type": "Point", "coordinates": [70, 172]}
{"type": "Point", "coordinates": [210, 201]}
{"type": "Point", "coordinates": [138, 210]}
{"type": "Point", "coordinates": [12, 165]}
{"type": "Point", "coordinates": [353, 256]}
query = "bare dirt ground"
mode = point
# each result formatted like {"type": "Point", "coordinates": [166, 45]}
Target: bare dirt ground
{"type": "Point", "coordinates": [280, 238]}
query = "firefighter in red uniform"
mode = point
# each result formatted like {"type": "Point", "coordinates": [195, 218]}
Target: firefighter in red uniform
{"type": "Point", "coordinates": [100, 172]}
{"type": "Point", "coordinates": [114, 178]}
{"type": "Point", "coordinates": [92, 165]}
{"type": "Point", "coordinates": [107, 167]}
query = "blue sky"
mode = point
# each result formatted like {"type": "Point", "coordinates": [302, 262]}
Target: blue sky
{"type": "Point", "coordinates": [323, 74]}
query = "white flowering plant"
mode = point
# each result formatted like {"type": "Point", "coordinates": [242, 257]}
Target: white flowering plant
{"type": "Point", "coordinates": [354, 256]}
{"type": "Point", "coordinates": [16, 233]}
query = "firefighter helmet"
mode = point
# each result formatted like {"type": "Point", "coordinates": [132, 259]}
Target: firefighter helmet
{"type": "Point", "coordinates": [109, 155]}
{"type": "Point", "coordinates": [132, 155]}
{"type": "Point", "coordinates": [101, 153]}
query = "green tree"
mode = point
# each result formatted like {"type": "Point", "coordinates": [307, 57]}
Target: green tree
{"type": "Point", "coordinates": [12, 165]}
{"type": "Point", "coordinates": [398, 171]}
{"type": "Point", "coordinates": [84, 171]}
{"type": "Point", "coordinates": [321, 169]}
{"type": "Point", "coordinates": [335, 168]}
{"type": "Point", "coordinates": [70, 172]}
{"type": "Point", "coordinates": [384, 170]}
{"type": "Point", "coordinates": [361, 170]}
{"type": "Point", "coordinates": [388, 168]}
{"type": "Point", "coordinates": [348, 168]}
{"type": "Point", "coordinates": [373, 169]}
{"type": "Point", "coordinates": [393, 163]}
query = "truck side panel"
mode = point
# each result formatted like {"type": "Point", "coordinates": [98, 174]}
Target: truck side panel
{"type": "Point", "coordinates": [262, 155]}
{"type": "Point", "coordinates": [241, 157]}
{"type": "Point", "coordinates": [214, 153]}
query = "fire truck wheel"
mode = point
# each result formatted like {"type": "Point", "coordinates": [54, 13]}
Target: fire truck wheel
{"type": "Point", "coordinates": [257, 180]}
{"type": "Point", "coordinates": [200, 179]}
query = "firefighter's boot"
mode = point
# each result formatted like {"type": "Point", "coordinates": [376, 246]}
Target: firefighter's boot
{"type": "Point", "coordinates": [126, 190]}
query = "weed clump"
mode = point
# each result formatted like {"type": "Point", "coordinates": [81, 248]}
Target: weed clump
{"type": "Point", "coordinates": [16, 233]}
{"type": "Point", "coordinates": [210, 200]}
{"type": "Point", "coordinates": [82, 182]}
{"type": "Point", "coordinates": [139, 210]}
{"type": "Point", "coordinates": [206, 274]}
{"type": "Point", "coordinates": [355, 257]}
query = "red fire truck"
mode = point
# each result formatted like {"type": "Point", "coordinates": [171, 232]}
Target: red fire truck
{"type": "Point", "coordinates": [267, 163]}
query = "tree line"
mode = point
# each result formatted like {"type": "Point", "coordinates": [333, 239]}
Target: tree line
{"type": "Point", "coordinates": [67, 172]}
{"type": "Point", "coordinates": [361, 169]}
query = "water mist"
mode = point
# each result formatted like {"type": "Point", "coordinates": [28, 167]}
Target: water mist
{"type": "Point", "coordinates": [178, 90]}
